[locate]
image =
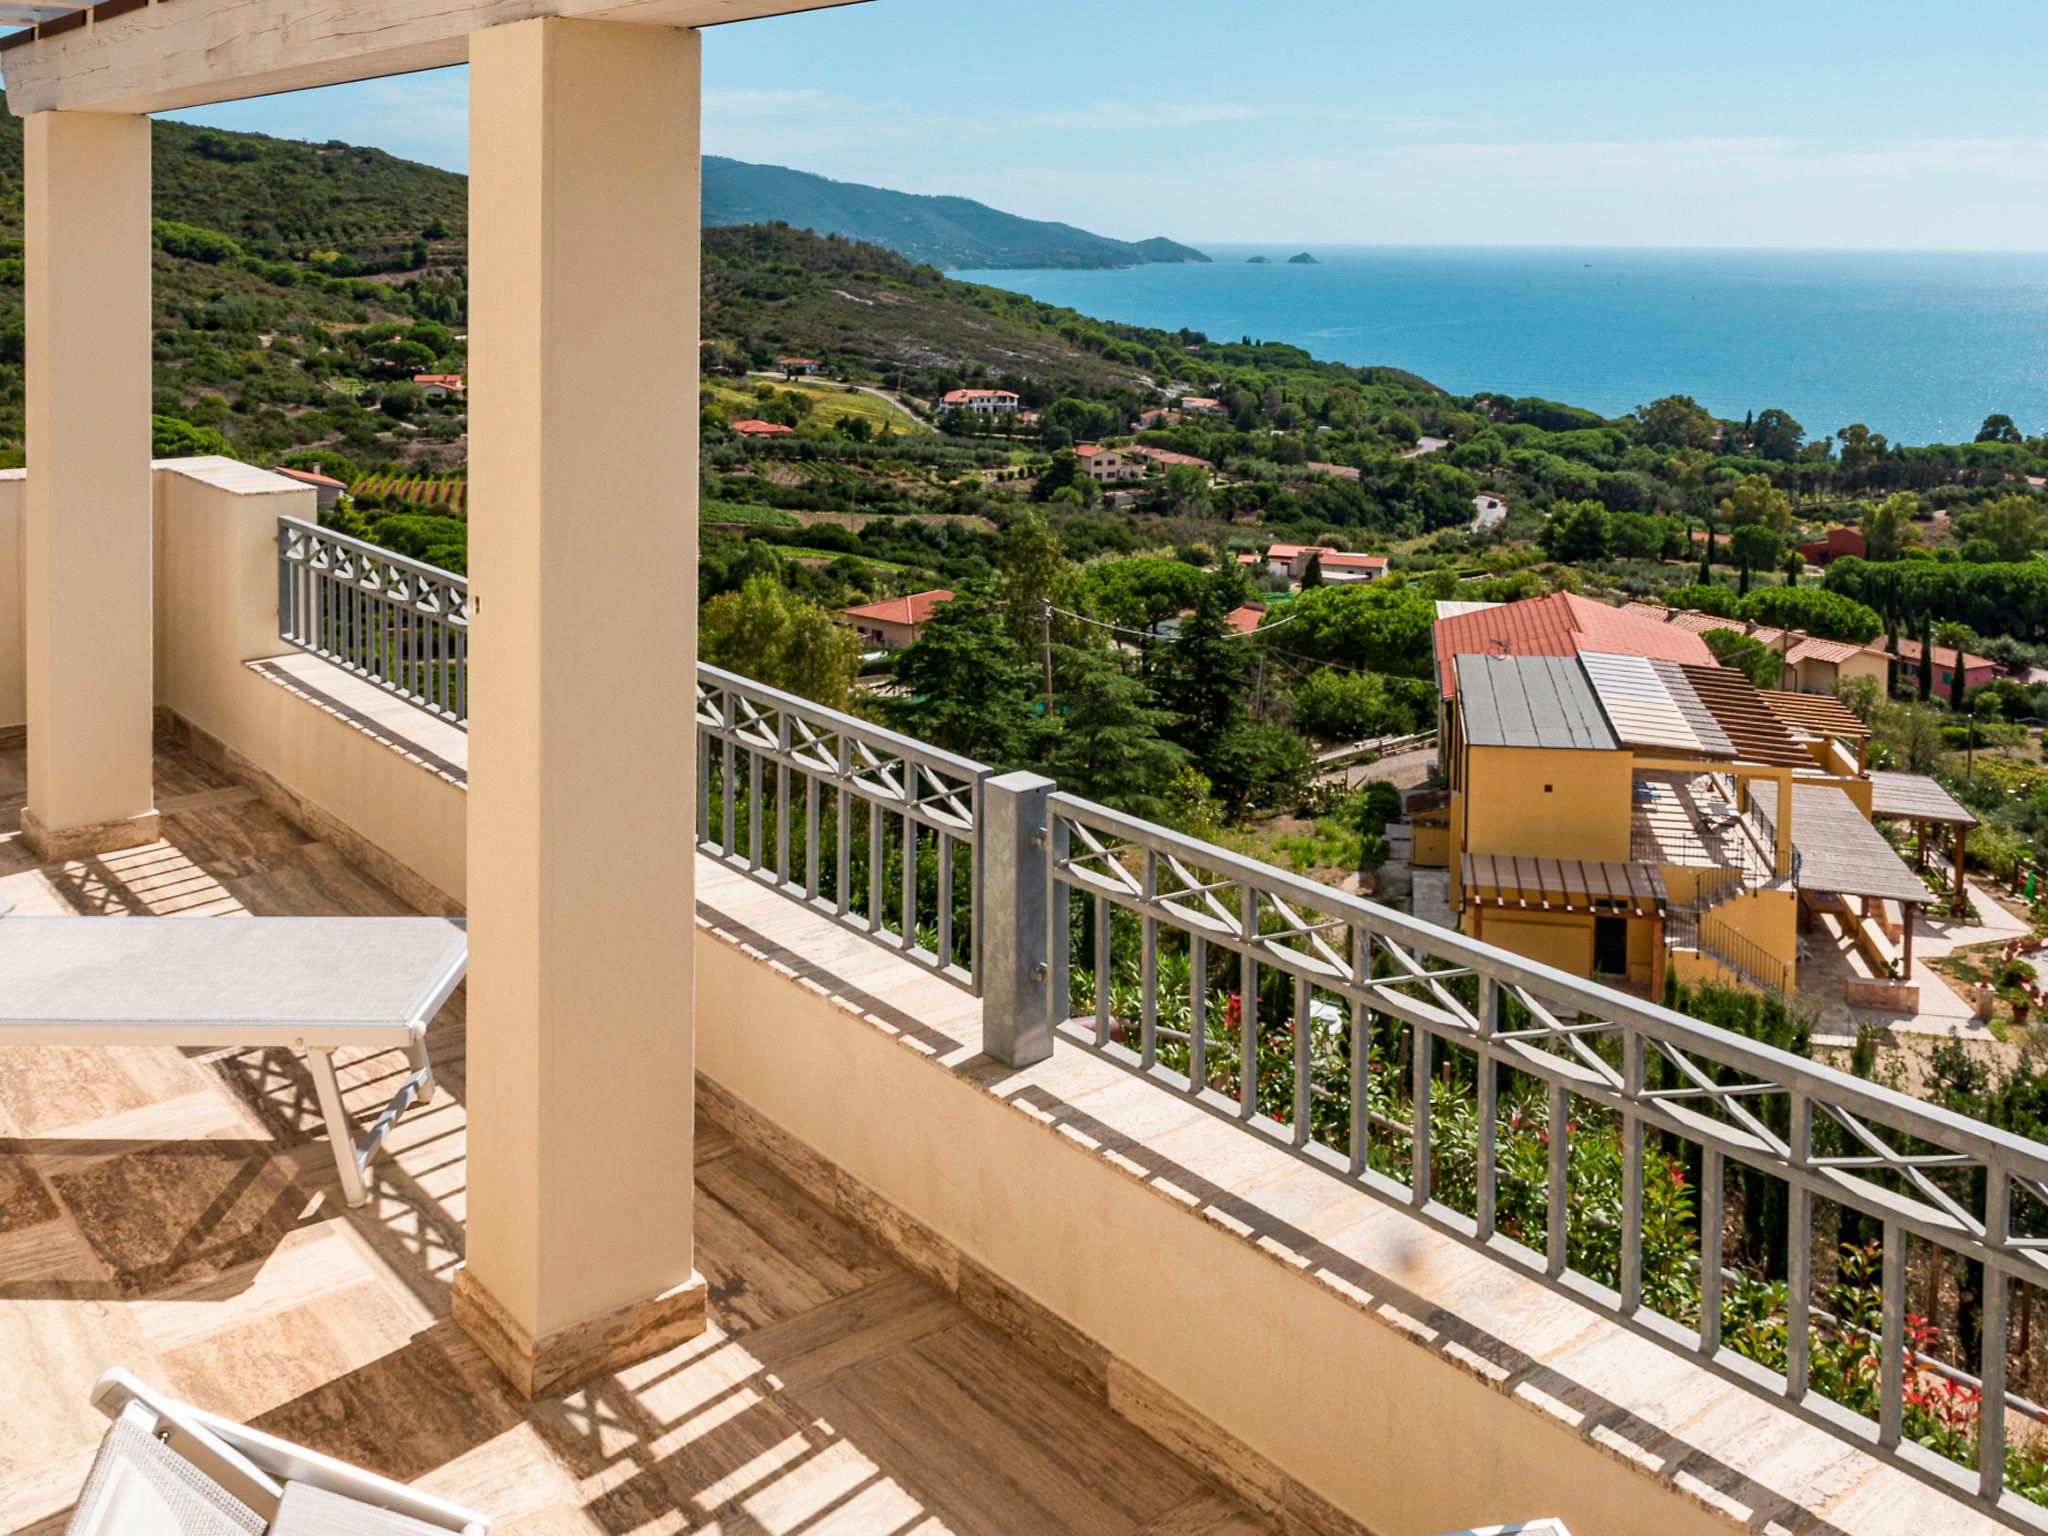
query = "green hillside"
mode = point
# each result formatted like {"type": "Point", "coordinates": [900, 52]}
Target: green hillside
{"type": "Point", "coordinates": [297, 286]}
{"type": "Point", "coordinates": [952, 232]}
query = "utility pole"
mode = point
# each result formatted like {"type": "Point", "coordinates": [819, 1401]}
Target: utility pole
{"type": "Point", "coordinates": [1045, 645]}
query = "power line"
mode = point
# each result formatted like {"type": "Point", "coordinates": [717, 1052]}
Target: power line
{"type": "Point", "coordinates": [1153, 634]}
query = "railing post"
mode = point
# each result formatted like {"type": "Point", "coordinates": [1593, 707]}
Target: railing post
{"type": "Point", "coordinates": [1016, 998]}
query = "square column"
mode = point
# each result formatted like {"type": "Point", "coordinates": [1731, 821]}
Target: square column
{"type": "Point", "coordinates": [89, 624]}
{"type": "Point", "coordinates": [583, 573]}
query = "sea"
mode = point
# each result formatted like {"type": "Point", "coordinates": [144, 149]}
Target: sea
{"type": "Point", "coordinates": [1920, 346]}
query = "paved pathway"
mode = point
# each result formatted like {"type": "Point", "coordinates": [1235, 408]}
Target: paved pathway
{"type": "Point", "coordinates": [1403, 770]}
{"type": "Point", "coordinates": [1430, 897]}
{"type": "Point", "coordinates": [1943, 1010]}
{"type": "Point", "coordinates": [1934, 935]}
{"type": "Point", "coordinates": [1487, 511]}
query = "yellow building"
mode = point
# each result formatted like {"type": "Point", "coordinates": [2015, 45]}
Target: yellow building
{"type": "Point", "coordinates": [1616, 814]}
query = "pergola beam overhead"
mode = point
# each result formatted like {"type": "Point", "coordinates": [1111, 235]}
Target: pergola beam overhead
{"type": "Point", "coordinates": [187, 53]}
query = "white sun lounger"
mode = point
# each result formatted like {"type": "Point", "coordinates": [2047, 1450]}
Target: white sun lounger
{"type": "Point", "coordinates": [166, 1468]}
{"type": "Point", "coordinates": [314, 984]}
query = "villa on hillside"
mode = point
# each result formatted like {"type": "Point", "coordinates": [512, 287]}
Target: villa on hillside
{"type": "Point", "coordinates": [1201, 405]}
{"type": "Point", "coordinates": [440, 386]}
{"type": "Point", "coordinates": [798, 367]}
{"type": "Point", "coordinates": [1166, 458]}
{"type": "Point", "coordinates": [1835, 544]}
{"type": "Point", "coordinates": [1339, 568]}
{"type": "Point", "coordinates": [1620, 805]}
{"type": "Point", "coordinates": [1977, 670]}
{"type": "Point", "coordinates": [1811, 664]}
{"type": "Point", "coordinates": [326, 489]}
{"type": "Point", "coordinates": [981, 402]}
{"type": "Point", "coordinates": [1108, 466]}
{"type": "Point", "coordinates": [1291, 560]}
{"type": "Point", "coordinates": [897, 622]}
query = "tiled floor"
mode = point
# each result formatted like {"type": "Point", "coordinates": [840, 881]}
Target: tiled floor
{"type": "Point", "coordinates": [177, 1213]}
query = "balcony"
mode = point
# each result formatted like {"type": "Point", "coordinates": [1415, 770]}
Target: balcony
{"type": "Point", "coordinates": [177, 1214]}
{"type": "Point", "coordinates": [1053, 1171]}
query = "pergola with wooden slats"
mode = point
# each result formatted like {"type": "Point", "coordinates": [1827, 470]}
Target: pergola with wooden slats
{"type": "Point", "coordinates": [1916, 798]}
{"type": "Point", "coordinates": [1817, 714]}
{"type": "Point", "coordinates": [1564, 885]}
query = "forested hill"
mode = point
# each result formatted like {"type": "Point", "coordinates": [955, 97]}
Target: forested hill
{"type": "Point", "coordinates": [335, 207]}
{"type": "Point", "coordinates": [952, 232]}
{"type": "Point", "coordinates": [299, 286]}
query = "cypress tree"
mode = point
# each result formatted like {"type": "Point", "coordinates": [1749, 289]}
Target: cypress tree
{"type": "Point", "coordinates": [1926, 658]}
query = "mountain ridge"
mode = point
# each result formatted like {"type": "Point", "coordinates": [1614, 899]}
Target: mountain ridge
{"type": "Point", "coordinates": [952, 233]}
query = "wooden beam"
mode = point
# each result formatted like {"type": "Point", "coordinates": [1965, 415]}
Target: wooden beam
{"type": "Point", "coordinates": [187, 53]}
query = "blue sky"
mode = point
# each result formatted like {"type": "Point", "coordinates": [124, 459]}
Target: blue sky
{"type": "Point", "coordinates": [1876, 124]}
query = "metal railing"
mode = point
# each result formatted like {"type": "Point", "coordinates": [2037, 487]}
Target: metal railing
{"type": "Point", "coordinates": [1400, 1056]}
{"type": "Point", "coordinates": [402, 624]}
{"type": "Point", "coordinates": [1748, 961]}
{"type": "Point", "coordinates": [871, 828]}
{"type": "Point", "coordinates": [1382, 1049]}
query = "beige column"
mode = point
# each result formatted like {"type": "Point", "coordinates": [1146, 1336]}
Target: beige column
{"type": "Point", "coordinates": [583, 571]}
{"type": "Point", "coordinates": [87, 551]}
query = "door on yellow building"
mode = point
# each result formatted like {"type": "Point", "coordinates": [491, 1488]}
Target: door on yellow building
{"type": "Point", "coordinates": [1610, 946]}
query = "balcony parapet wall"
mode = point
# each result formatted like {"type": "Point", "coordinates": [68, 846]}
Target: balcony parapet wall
{"type": "Point", "coordinates": [342, 761]}
{"type": "Point", "coordinates": [1328, 1355]}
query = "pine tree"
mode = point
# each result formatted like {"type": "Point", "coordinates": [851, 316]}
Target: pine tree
{"type": "Point", "coordinates": [1207, 669]}
{"type": "Point", "coordinates": [1111, 747]}
{"type": "Point", "coordinates": [966, 687]}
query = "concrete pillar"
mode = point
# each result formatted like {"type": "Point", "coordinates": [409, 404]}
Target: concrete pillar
{"type": "Point", "coordinates": [87, 550]}
{"type": "Point", "coordinates": [583, 574]}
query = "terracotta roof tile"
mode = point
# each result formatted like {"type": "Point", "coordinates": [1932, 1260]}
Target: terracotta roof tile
{"type": "Point", "coordinates": [1561, 624]}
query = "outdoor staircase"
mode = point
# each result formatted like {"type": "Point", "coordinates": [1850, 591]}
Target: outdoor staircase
{"type": "Point", "coordinates": [1695, 927]}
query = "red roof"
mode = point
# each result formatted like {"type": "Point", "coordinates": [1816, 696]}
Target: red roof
{"type": "Point", "coordinates": [1338, 560]}
{"type": "Point", "coordinates": [1909, 650]}
{"type": "Point", "coordinates": [1089, 450]}
{"type": "Point", "coordinates": [752, 428]}
{"type": "Point", "coordinates": [1244, 620]}
{"type": "Point", "coordinates": [445, 380]}
{"type": "Point", "coordinates": [307, 477]}
{"type": "Point", "coordinates": [962, 396]}
{"type": "Point", "coordinates": [1289, 551]}
{"type": "Point", "coordinates": [1167, 456]}
{"type": "Point", "coordinates": [913, 610]}
{"type": "Point", "coordinates": [1561, 624]}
